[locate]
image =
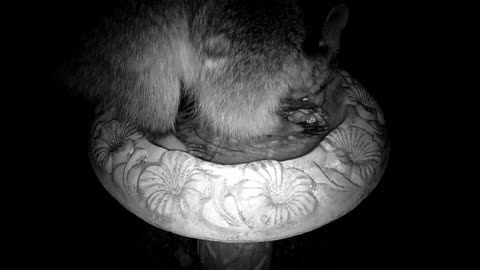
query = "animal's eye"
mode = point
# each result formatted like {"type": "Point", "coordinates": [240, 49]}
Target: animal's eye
{"type": "Point", "coordinates": [323, 48]}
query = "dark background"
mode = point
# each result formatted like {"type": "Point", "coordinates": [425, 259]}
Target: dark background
{"type": "Point", "coordinates": [74, 220]}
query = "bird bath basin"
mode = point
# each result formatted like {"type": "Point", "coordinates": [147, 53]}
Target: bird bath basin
{"type": "Point", "coordinates": [236, 209]}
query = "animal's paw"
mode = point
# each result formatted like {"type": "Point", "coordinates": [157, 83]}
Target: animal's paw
{"type": "Point", "coordinates": [286, 128]}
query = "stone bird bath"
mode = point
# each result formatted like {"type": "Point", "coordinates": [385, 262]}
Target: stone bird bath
{"type": "Point", "coordinates": [199, 188]}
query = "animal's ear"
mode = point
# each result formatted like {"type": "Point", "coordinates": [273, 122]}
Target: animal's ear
{"type": "Point", "coordinates": [332, 29]}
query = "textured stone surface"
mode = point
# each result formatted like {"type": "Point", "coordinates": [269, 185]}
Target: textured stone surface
{"type": "Point", "coordinates": [257, 201]}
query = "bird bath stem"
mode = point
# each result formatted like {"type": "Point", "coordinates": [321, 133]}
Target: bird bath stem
{"type": "Point", "coordinates": [234, 256]}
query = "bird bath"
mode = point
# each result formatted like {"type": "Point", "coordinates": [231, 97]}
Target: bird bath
{"type": "Point", "coordinates": [237, 209]}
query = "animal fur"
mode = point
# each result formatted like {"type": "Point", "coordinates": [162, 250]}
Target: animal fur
{"type": "Point", "coordinates": [235, 59]}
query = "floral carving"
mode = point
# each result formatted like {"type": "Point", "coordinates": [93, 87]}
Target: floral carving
{"type": "Point", "coordinates": [172, 185]}
{"type": "Point", "coordinates": [357, 154]}
{"type": "Point", "coordinates": [280, 195]}
{"type": "Point", "coordinates": [358, 95]}
{"type": "Point", "coordinates": [110, 137]}
{"type": "Point", "coordinates": [367, 106]}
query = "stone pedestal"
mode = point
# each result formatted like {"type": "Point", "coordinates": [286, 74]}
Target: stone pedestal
{"type": "Point", "coordinates": [235, 256]}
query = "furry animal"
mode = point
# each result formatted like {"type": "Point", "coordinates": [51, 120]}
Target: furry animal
{"type": "Point", "coordinates": [235, 59]}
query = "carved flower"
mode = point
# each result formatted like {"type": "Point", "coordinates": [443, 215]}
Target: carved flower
{"type": "Point", "coordinates": [280, 195]}
{"type": "Point", "coordinates": [367, 105]}
{"type": "Point", "coordinates": [110, 137]}
{"type": "Point", "coordinates": [173, 185]}
{"type": "Point", "coordinates": [357, 154]}
{"type": "Point", "coordinates": [358, 94]}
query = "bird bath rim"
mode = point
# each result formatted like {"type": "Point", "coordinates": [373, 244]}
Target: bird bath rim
{"type": "Point", "coordinates": [258, 201]}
